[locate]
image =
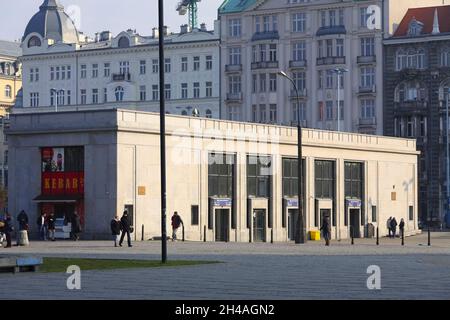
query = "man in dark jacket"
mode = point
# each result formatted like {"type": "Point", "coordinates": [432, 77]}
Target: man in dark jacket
{"type": "Point", "coordinates": [8, 229]}
{"type": "Point", "coordinates": [22, 219]}
{"type": "Point", "coordinates": [176, 222]}
{"type": "Point", "coordinates": [51, 226]}
{"type": "Point", "coordinates": [393, 227]}
{"type": "Point", "coordinates": [326, 230]}
{"type": "Point", "coordinates": [76, 226]}
{"type": "Point", "coordinates": [116, 227]}
{"type": "Point", "coordinates": [125, 229]}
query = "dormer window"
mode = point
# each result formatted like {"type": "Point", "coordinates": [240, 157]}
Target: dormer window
{"type": "Point", "coordinates": [34, 42]}
{"type": "Point", "coordinates": [124, 42]}
{"type": "Point", "coordinates": [415, 28]}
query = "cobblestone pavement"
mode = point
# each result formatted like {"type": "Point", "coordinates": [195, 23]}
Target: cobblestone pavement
{"type": "Point", "coordinates": [248, 271]}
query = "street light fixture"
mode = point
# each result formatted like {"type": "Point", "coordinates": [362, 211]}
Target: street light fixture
{"type": "Point", "coordinates": [339, 72]}
{"type": "Point", "coordinates": [300, 230]}
{"type": "Point", "coordinates": [57, 92]}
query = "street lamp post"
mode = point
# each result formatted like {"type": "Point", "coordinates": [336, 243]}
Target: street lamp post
{"type": "Point", "coordinates": [300, 231]}
{"type": "Point", "coordinates": [57, 92]}
{"type": "Point", "coordinates": [339, 72]}
{"type": "Point", "coordinates": [162, 132]}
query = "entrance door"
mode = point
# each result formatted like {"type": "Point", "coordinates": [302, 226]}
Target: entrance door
{"type": "Point", "coordinates": [292, 223]}
{"type": "Point", "coordinates": [64, 210]}
{"type": "Point", "coordinates": [222, 227]}
{"type": "Point", "coordinates": [355, 222]}
{"type": "Point", "coordinates": [259, 225]}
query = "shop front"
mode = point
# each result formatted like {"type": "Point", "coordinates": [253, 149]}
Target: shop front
{"type": "Point", "coordinates": [62, 183]}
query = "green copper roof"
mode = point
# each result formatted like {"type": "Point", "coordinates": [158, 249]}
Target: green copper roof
{"type": "Point", "coordinates": [232, 6]}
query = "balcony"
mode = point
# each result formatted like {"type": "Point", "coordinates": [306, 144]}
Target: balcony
{"type": "Point", "coordinates": [366, 59]}
{"type": "Point", "coordinates": [330, 60]}
{"type": "Point", "coordinates": [266, 35]}
{"type": "Point", "coordinates": [368, 122]}
{"type": "Point", "coordinates": [234, 97]}
{"type": "Point", "coordinates": [121, 77]}
{"type": "Point", "coordinates": [302, 93]}
{"type": "Point", "coordinates": [412, 106]}
{"type": "Point", "coordinates": [265, 65]}
{"type": "Point", "coordinates": [297, 64]}
{"type": "Point", "coordinates": [367, 89]}
{"type": "Point", "coordinates": [330, 30]}
{"type": "Point", "coordinates": [229, 68]}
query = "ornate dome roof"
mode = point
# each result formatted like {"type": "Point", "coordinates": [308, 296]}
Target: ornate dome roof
{"type": "Point", "coordinates": [53, 23]}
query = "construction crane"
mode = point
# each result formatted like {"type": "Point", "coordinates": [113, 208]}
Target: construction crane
{"type": "Point", "coordinates": [190, 7]}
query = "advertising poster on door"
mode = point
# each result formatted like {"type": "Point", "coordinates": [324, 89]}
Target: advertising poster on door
{"type": "Point", "coordinates": [53, 159]}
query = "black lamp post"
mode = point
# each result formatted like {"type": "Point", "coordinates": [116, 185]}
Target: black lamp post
{"type": "Point", "coordinates": [162, 132]}
{"type": "Point", "coordinates": [300, 230]}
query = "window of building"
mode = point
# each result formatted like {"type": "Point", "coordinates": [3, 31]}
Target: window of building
{"type": "Point", "coordinates": [184, 64]}
{"type": "Point", "coordinates": [155, 66]}
{"type": "Point", "coordinates": [273, 113]}
{"type": "Point", "coordinates": [220, 175]}
{"type": "Point", "coordinates": [69, 72]}
{"type": "Point", "coordinates": [374, 213]}
{"type": "Point", "coordinates": [34, 99]}
{"type": "Point", "coordinates": [329, 79]}
{"type": "Point", "coordinates": [234, 55]}
{"type": "Point", "coordinates": [94, 96]}
{"type": "Point", "coordinates": [105, 95]}
{"type": "Point", "coordinates": [209, 63]}
{"type": "Point", "coordinates": [234, 112]}
{"type": "Point", "coordinates": [300, 80]}
{"type": "Point", "coordinates": [367, 108]}
{"type": "Point", "coordinates": [63, 72]}
{"type": "Point", "coordinates": [329, 43]}
{"type": "Point", "coordinates": [184, 91]}
{"type": "Point", "coordinates": [295, 111]}
{"type": "Point", "coordinates": [354, 181]}
{"type": "Point", "coordinates": [124, 67]}
{"type": "Point", "coordinates": [254, 113]}
{"type": "Point", "coordinates": [367, 77]}
{"type": "Point", "coordinates": [273, 82]}
{"type": "Point", "coordinates": [299, 22]}
{"type": "Point", "coordinates": [107, 70]}
{"type": "Point", "coordinates": [340, 48]}
{"type": "Point", "coordinates": [320, 79]}
{"type": "Point", "coordinates": [124, 42]}
{"type": "Point", "coordinates": [83, 69]}
{"type": "Point", "coordinates": [262, 82]}
{"type": "Point", "coordinates": [410, 59]}
{"type": "Point", "coordinates": [196, 63]}
{"type": "Point", "coordinates": [273, 53]}
{"type": "Point", "coordinates": [155, 92]}
{"type": "Point", "coordinates": [324, 179]}
{"type": "Point", "coordinates": [34, 42]}
{"type": "Point", "coordinates": [367, 46]}
{"type": "Point", "coordinates": [95, 70]}
{"type": "Point", "coordinates": [299, 51]}
{"type": "Point", "coordinates": [234, 83]}
{"type": "Point", "coordinates": [209, 89]}
{"type": "Point", "coordinates": [259, 172]}
{"type": "Point", "coordinates": [364, 17]}
{"type": "Point", "coordinates": [8, 91]}
{"type": "Point", "coordinates": [83, 96]}
{"type": "Point", "coordinates": [194, 215]}
{"type": "Point", "coordinates": [234, 28]}
{"type": "Point", "coordinates": [262, 113]}
{"type": "Point", "coordinates": [142, 93]}
{"type": "Point", "coordinates": [167, 91]}
{"type": "Point", "coordinates": [196, 90]}
{"type": "Point", "coordinates": [142, 67]}
{"type": "Point", "coordinates": [119, 93]}
{"type": "Point", "coordinates": [411, 213]}
{"type": "Point", "coordinates": [167, 65]}
{"type": "Point", "coordinates": [254, 83]}
{"type": "Point", "coordinates": [329, 110]}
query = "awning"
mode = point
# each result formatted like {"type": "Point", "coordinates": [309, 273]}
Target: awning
{"type": "Point", "coordinates": [58, 198]}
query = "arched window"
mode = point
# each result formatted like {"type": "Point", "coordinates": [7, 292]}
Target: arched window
{"type": "Point", "coordinates": [445, 57]}
{"type": "Point", "coordinates": [8, 92]}
{"type": "Point", "coordinates": [209, 114]}
{"type": "Point", "coordinates": [34, 42]}
{"type": "Point", "coordinates": [411, 91]}
{"type": "Point", "coordinates": [119, 92]}
{"type": "Point", "coordinates": [124, 42]}
{"type": "Point", "coordinates": [411, 59]}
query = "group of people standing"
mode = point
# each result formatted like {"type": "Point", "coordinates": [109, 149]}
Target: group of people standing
{"type": "Point", "coordinates": [392, 227]}
{"type": "Point", "coordinates": [121, 225]}
{"type": "Point", "coordinates": [46, 224]}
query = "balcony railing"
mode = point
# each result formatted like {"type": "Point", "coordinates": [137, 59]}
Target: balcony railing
{"type": "Point", "coordinates": [297, 64]}
{"type": "Point", "coordinates": [266, 35]}
{"type": "Point", "coordinates": [367, 89]}
{"type": "Point", "coordinates": [330, 60]}
{"type": "Point", "coordinates": [366, 59]}
{"type": "Point", "coordinates": [364, 122]}
{"type": "Point", "coordinates": [233, 68]}
{"type": "Point", "coordinates": [121, 77]}
{"type": "Point", "coordinates": [412, 104]}
{"type": "Point", "coordinates": [234, 96]}
{"type": "Point", "coordinates": [265, 65]}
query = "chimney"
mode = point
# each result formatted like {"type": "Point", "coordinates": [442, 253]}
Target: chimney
{"type": "Point", "coordinates": [97, 37]}
{"type": "Point", "coordinates": [166, 30]}
{"type": "Point", "coordinates": [105, 36]}
{"type": "Point", "coordinates": [184, 29]}
{"type": "Point", "coordinates": [203, 27]}
{"type": "Point", "coordinates": [155, 33]}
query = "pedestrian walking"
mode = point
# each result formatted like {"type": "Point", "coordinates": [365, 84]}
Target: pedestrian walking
{"type": "Point", "coordinates": [76, 226]}
{"type": "Point", "coordinates": [51, 227]}
{"type": "Point", "coordinates": [176, 222]}
{"type": "Point", "coordinates": [388, 225]}
{"type": "Point", "coordinates": [116, 227]}
{"type": "Point", "coordinates": [8, 229]}
{"type": "Point", "coordinates": [42, 226]}
{"type": "Point", "coordinates": [326, 230]}
{"type": "Point", "coordinates": [401, 226]}
{"type": "Point", "coordinates": [126, 228]}
{"type": "Point", "coordinates": [394, 227]}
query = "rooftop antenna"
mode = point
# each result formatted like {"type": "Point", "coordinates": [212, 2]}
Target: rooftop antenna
{"type": "Point", "coordinates": [190, 7]}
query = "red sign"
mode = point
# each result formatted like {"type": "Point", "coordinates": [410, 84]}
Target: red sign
{"type": "Point", "coordinates": [62, 183]}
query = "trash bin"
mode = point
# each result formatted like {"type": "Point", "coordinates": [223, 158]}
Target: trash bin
{"type": "Point", "coordinates": [23, 238]}
{"type": "Point", "coordinates": [314, 235]}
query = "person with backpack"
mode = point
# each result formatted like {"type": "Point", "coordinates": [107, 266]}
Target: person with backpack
{"type": "Point", "coordinates": [116, 228]}
{"type": "Point", "coordinates": [126, 229]}
{"type": "Point", "coordinates": [22, 219]}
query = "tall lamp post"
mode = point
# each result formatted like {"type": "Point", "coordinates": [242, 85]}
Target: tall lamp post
{"type": "Point", "coordinates": [162, 132]}
{"type": "Point", "coordinates": [339, 72]}
{"type": "Point", "coordinates": [300, 230]}
{"type": "Point", "coordinates": [447, 206]}
{"type": "Point", "coordinates": [57, 92]}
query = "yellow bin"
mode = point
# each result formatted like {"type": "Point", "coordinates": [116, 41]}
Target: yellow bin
{"type": "Point", "coordinates": [314, 235]}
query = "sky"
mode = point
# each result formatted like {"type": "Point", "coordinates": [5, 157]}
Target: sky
{"type": "Point", "coordinates": [113, 15]}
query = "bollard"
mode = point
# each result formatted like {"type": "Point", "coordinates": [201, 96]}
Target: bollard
{"type": "Point", "coordinates": [182, 229]}
{"type": "Point", "coordinates": [353, 235]}
{"type": "Point", "coordinates": [142, 237]}
{"type": "Point", "coordinates": [378, 236]}
{"type": "Point", "coordinates": [271, 236]}
{"type": "Point", "coordinates": [204, 233]}
{"type": "Point", "coordinates": [403, 237]}
{"type": "Point", "coordinates": [429, 236]}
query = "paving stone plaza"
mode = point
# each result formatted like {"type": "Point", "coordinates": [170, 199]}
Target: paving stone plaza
{"type": "Point", "coordinates": [248, 271]}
